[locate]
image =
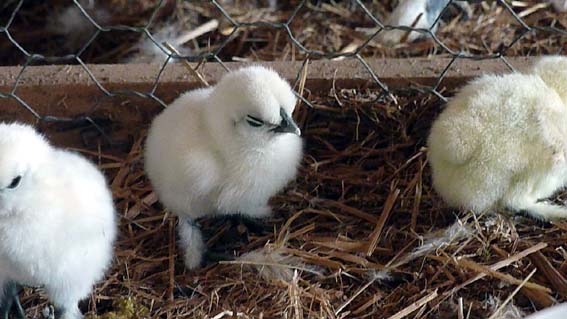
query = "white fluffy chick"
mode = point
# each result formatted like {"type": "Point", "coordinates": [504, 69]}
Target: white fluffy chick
{"type": "Point", "coordinates": [74, 26]}
{"type": "Point", "coordinates": [57, 220]}
{"type": "Point", "coordinates": [417, 14]}
{"type": "Point", "coordinates": [149, 52]}
{"type": "Point", "coordinates": [556, 312]}
{"type": "Point", "coordinates": [502, 142]}
{"type": "Point", "coordinates": [224, 150]}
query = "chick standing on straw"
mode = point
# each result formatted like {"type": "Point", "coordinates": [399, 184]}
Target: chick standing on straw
{"type": "Point", "coordinates": [224, 150]}
{"type": "Point", "coordinates": [57, 221]}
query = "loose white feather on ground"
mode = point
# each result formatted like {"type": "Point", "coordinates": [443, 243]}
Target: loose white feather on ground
{"type": "Point", "coordinates": [510, 310]}
{"type": "Point", "coordinates": [57, 219]}
{"type": "Point", "coordinates": [224, 150]}
{"type": "Point", "coordinates": [273, 263]}
{"type": "Point", "coordinates": [501, 142]}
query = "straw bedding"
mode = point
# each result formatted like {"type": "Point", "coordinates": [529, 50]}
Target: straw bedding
{"type": "Point", "coordinates": [359, 234]}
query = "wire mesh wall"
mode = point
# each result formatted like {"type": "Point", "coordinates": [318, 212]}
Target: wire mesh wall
{"type": "Point", "coordinates": [359, 16]}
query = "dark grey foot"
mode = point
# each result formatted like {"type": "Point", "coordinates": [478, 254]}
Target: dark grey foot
{"type": "Point", "coordinates": [10, 300]}
{"type": "Point", "coordinates": [58, 312]}
{"type": "Point", "coordinates": [253, 225]}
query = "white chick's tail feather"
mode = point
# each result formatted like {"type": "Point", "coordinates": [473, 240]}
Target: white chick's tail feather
{"type": "Point", "coordinates": [191, 241]}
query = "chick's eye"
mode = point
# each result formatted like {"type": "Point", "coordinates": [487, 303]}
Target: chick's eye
{"type": "Point", "coordinates": [15, 182]}
{"type": "Point", "coordinates": [253, 121]}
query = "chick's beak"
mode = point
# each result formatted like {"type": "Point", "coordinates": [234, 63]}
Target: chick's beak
{"type": "Point", "coordinates": [287, 124]}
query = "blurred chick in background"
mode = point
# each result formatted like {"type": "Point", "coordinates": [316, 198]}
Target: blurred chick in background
{"type": "Point", "coordinates": [416, 14]}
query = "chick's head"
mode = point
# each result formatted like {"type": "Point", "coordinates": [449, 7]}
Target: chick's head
{"type": "Point", "coordinates": [22, 150]}
{"type": "Point", "coordinates": [254, 105]}
{"type": "Point", "coordinates": [553, 71]}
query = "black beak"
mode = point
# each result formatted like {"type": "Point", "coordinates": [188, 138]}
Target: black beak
{"type": "Point", "coordinates": [287, 125]}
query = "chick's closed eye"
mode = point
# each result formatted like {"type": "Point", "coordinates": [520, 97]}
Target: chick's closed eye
{"type": "Point", "coordinates": [15, 182]}
{"type": "Point", "coordinates": [254, 121]}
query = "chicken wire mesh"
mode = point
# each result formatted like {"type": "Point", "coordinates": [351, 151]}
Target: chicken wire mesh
{"type": "Point", "coordinates": [235, 27]}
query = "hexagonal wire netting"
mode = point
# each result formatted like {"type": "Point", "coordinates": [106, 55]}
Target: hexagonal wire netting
{"type": "Point", "coordinates": [213, 55]}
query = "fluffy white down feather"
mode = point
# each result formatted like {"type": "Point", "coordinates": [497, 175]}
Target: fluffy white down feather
{"type": "Point", "coordinates": [273, 263]}
{"type": "Point", "coordinates": [203, 158]}
{"type": "Point", "coordinates": [502, 142]}
{"type": "Point", "coordinates": [57, 226]}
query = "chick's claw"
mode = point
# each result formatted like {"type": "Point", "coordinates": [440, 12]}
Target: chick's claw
{"type": "Point", "coordinates": [253, 225]}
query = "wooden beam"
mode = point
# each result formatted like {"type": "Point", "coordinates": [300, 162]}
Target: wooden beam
{"type": "Point", "coordinates": [68, 90]}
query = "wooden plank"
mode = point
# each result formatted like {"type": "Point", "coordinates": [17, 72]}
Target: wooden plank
{"type": "Point", "coordinates": [68, 90]}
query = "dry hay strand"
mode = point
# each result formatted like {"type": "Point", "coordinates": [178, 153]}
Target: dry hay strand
{"type": "Point", "coordinates": [365, 168]}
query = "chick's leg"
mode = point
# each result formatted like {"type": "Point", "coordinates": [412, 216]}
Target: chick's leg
{"type": "Point", "coordinates": [253, 225]}
{"type": "Point", "coordinates": [9, 298]}
{"type": "Point", "coordinates": [69, 312]}
{"type": "Point", "coordinates": [191, 241]}
{"type": "Point", "coordinates": [251, 217]}
{"type": "Point", "coordinates": [67, 288]}
{"type": "Point", "coordinates": [66, 300]}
